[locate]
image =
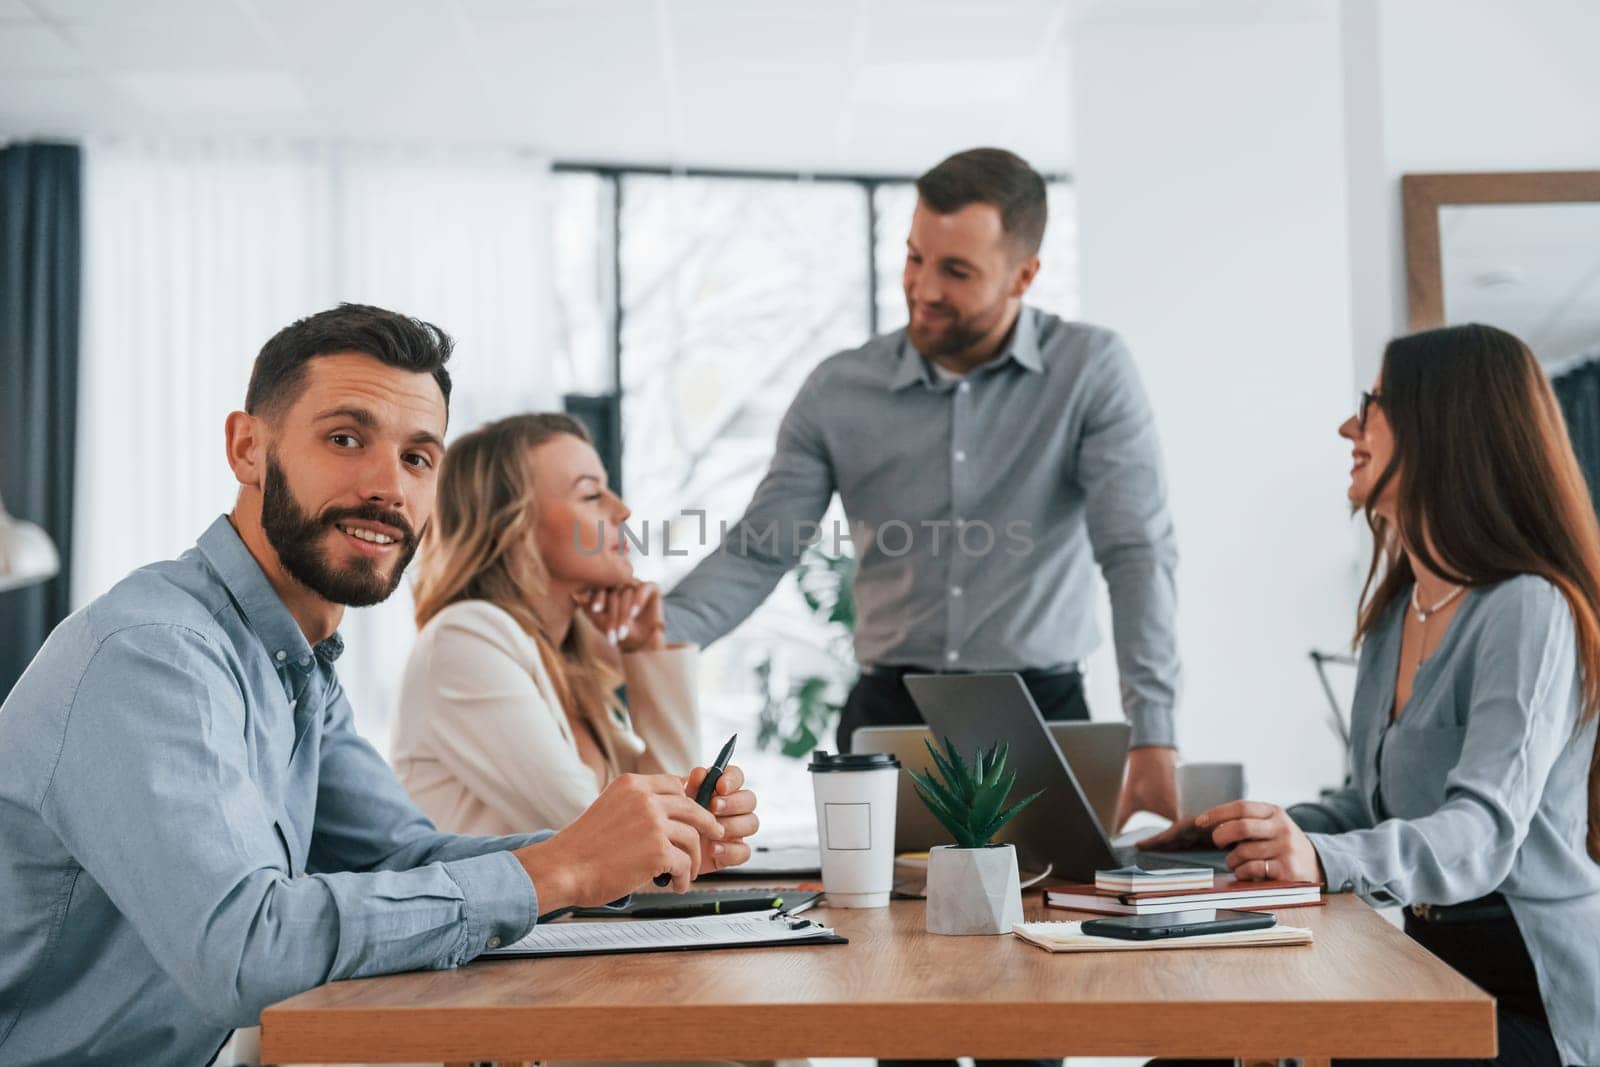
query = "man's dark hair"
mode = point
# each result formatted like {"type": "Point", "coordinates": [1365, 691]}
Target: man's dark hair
{"type": "Point", "coordinates": [991, 176]}
{"type": "Point", "coordinates": [388, 336]}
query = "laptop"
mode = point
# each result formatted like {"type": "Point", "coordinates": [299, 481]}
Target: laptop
{"type": "Point", "coordinates": [1060, 829]}
{"type": "Point", "coordinates": [1094, 750]}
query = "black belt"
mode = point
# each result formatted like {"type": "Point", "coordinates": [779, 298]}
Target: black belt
{"type": "Point", "coordinates": [1485, 909]}
{"type": "Point", "coordinates": [1029, 674]}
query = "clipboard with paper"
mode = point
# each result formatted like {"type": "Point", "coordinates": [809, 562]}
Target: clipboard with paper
{"type": "Point", "coordinates": [606, 937]}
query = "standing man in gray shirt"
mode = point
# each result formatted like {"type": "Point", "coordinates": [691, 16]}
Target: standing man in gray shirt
{"type": "Point", "coordinates": [988, 456]}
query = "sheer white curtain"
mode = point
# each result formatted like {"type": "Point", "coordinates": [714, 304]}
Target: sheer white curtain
{"type": "Point", "coordinates": [197, 252]}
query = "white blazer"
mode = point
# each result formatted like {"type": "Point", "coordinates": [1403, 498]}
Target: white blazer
{"type": "Point", "coordinates": [484, 747]}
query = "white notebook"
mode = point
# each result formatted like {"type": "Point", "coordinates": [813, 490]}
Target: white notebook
{"type": "Point", "coordinates": [600, 937]}
{"type": "Point", "coordinates": [1069, 937]}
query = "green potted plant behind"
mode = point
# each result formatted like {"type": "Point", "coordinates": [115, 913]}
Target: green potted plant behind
{"type": "Point", "coordinates": [973, 885]}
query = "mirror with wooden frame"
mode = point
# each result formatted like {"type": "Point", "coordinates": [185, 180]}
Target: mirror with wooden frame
{"type": "Point", "coordinates": [1518, 250]}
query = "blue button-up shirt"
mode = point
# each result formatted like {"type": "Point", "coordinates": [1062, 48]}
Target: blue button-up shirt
{"type": "Point", "coordinates": [191, 829]}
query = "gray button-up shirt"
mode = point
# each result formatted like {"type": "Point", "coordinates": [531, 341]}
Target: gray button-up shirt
{"type": "Point", "coordinates": [1481, 784]}
{"type": "Point", "coordinates": [191, 829]}
{"type": "Point", "coordinates": [977, 510]}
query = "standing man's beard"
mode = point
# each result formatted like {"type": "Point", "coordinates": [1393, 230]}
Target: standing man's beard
{"type": "Point", "coordinates": [959, 336]}
{"type": "Point", "coordinates": [296, 537]}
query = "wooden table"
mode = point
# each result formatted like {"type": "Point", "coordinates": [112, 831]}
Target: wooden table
{"type": "Point", "coordinates": [1364, 989]}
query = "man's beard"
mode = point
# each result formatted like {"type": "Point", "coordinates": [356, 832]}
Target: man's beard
{"type": "Point", "coordinates": [297, 536]}
{"type": "Point", "coordinates": [960, 334]}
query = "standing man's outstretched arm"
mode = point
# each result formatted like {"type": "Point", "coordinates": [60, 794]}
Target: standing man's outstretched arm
{"type": "Point", "coordinates": [767, 542]}
{"type": "Point", "coordinates": [1119, 466]}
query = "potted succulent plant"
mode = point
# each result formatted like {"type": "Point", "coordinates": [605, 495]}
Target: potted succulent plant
{"type": "Point", "coordinates": [973, 887]}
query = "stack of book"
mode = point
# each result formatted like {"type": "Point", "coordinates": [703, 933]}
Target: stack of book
{"type": "Point", "coordinates": [1122, 893]}
{"type": "Point", "coordinates": [1139, 880]}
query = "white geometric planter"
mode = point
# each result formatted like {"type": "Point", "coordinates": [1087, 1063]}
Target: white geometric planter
{"type": "Point", "coordinates": [973, 890]}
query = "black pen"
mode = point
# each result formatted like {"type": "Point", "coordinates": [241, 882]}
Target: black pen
{"type": "Point", "coordinates": [707, 790]}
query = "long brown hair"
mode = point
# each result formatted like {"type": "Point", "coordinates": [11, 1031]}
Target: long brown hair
{"type": "Point", "coordinates": [1486, 488]}
{"type": "Point", "coordinates": [481, 545]}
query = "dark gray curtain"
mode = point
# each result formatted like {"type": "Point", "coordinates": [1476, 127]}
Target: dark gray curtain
{"type": "Point", "coordinates": [40, 205]}
{"type": "Point", "coordinates": [1578, 390]}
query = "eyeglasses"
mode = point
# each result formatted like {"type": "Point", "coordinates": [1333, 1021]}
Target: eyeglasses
{"type": "Point", "coordinates": [1367, 400]}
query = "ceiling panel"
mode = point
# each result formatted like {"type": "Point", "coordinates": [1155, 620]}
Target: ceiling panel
{"type": "Point", "coordinates": [709, 36]}
{"type": "Point", "coordinates": [36, 49]}
{"type": "Point", "coordinates": [16, 11]}
{"type": "Point", "coordinates": [965, 33]}
{"type": "Point", "coordinates": [827, 85]}
{"type": "Point", "coordinates": [221, 39]}
{"type": "Point", "coordinates": [617, 44]}
{"type": "Point", "coordinates": [83, 10]}
{"type": "Point", "coordinates": [55, 105]}
{"type": "Point", "coordinates": [217, 93]}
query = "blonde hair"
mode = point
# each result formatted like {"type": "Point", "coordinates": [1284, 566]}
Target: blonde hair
{"type": "Point", "coordinates": [481, 545]}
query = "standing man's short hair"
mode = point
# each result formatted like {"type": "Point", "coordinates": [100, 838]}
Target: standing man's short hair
{"type": "Point", "coordinates": [391, 338]}
{"type": "Point", "coordinates": [991, 176]}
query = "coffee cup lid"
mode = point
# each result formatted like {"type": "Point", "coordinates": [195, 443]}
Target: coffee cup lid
{"type": "Point", "coordinates": [823, 762]}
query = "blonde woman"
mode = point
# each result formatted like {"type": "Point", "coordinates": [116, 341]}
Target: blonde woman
{"type": "Point", "coordinates": [509, 716]}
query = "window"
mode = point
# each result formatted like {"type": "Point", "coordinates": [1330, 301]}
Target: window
{"type": "Point", "coordinates": [582, 231]}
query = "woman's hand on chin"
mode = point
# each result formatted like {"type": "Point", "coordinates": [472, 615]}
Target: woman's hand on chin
{"type": "Point", "coordinates": [628, 616]}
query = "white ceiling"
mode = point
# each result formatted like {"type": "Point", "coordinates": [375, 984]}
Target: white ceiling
{"type": "Point", "coordinates": [819, 85]}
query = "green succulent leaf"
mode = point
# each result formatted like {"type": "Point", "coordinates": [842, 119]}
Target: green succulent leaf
{"type": "Point", "coordinates": [968, 799]}
{"type": "Point", "coordinates": [951, 821]}
{"type": "Point", "coordinates": [990, 801]}
{"type": "Point", "coordinates": [997, 765]}
{"type": "Point", "coordinates": [1006, 816]}
{"type": "Point", "coordinates": [963, 777]}
{"type": "Point", "coordinates": [947, 772]}
{"type": "Point", "coordinates": [937, 790]}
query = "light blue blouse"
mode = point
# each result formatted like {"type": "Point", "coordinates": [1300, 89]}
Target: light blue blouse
{"type": "Point", "coordinates": [1483, 781]}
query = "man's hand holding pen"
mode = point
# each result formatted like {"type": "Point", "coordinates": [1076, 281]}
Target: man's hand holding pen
{"type": "Point", "coordinates": [638, 826]}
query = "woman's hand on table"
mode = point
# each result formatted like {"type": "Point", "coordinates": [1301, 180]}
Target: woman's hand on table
{"type": "Point", "coordinates": [1263, 843]}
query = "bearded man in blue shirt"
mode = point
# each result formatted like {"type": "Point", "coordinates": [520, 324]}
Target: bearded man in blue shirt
{"type": "Point", "coordinates": [190, 827]}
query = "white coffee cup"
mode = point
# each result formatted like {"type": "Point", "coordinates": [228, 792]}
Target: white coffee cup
{"type": "Point", "coordinates": [1203, 786]}
{"type": "Point", "coordinates": [855, 797]}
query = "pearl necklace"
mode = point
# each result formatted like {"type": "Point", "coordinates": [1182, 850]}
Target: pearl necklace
{"type": "Point", "coordinates": [1424, 614]}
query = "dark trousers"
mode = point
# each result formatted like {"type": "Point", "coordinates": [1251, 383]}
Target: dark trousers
{"type": "Point", "coordinates": [879, 698]}
{"type": "Point", "coordinates": [1492, 955]}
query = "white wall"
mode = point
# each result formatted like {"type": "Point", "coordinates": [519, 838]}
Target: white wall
{"type": "Point", "coordinates": [1211, 185]}
{"type": "Point", "coordinates": [1474, 85]}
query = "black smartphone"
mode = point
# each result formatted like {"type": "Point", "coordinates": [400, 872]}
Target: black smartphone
{"type": "Point", "coordinates": [1179, 924]}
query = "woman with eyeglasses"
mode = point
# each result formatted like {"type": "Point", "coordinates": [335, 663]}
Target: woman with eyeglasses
{"type": "Point", "coordinates": [1475, 793]}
